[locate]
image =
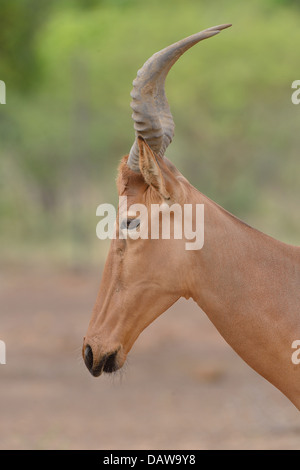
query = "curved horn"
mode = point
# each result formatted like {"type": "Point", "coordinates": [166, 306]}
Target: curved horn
{"type": "Point", "coordinates": [151, 113]}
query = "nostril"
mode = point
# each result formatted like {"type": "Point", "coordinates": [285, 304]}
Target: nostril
{"type": "Point", "coordinates": [110, 363]}
{"type": "Point", "coordinates": [88, 357]}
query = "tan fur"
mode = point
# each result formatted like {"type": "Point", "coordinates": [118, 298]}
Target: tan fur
{"type": "Point", "coordinates": [246, 282]}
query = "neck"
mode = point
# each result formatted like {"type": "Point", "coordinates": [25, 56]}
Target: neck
{"type": "Point", "coordinates": [248, 285]}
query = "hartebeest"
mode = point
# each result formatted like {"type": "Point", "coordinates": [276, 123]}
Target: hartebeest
{"type": "Point", "coordinates": [245, 281]}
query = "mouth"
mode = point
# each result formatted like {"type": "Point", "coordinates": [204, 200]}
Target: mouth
{"type": "Point", "coordinates": [108, 362]}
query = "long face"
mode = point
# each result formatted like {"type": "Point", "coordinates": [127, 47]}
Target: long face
{"type": "Point", "coordinates": [144, 276]}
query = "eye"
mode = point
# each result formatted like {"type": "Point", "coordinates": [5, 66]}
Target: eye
{"type": "Point", "coordinates": [130, 224]}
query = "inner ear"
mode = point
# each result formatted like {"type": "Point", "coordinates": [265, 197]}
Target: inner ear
{"type": "Point", "coordinates": [153, 171]}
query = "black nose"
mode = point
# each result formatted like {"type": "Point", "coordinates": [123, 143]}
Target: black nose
{"type": "Point", "coordinates": [88, 357]}
{"type": "Point", "coordinates": [110, 364]}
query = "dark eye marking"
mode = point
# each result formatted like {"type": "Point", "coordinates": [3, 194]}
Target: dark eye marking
{"type": "Point", "coordinates": [130, 224]}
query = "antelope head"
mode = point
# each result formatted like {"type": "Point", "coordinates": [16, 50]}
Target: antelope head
{"type": "Point", "coordinates": [142, 277]}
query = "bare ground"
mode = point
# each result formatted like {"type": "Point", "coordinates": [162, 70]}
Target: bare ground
{"type": "Point", "coordinates": [183, 386]}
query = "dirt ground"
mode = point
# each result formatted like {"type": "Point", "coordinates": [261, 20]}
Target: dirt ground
{"type": "Point", "coordinates": [183, 386]}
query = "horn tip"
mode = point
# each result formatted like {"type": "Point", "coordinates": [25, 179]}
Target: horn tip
{"type": "Point", "coordinates": [219, 27]}
{"type": "Point", "coordinates": [225, 26]}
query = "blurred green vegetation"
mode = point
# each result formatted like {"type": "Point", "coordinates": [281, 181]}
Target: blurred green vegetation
{"type": "Point", "coordinates": [68, 67]}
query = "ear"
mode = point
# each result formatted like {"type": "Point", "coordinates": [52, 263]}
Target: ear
{"type": "Point", "coordinates": [156, 173]}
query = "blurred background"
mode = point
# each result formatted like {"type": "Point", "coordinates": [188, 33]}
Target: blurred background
{"type": "Point", "coordinates": [68, 68]}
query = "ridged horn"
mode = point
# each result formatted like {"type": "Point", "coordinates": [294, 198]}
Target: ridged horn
{"type": "Point", "coordinates": [151, 112]}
